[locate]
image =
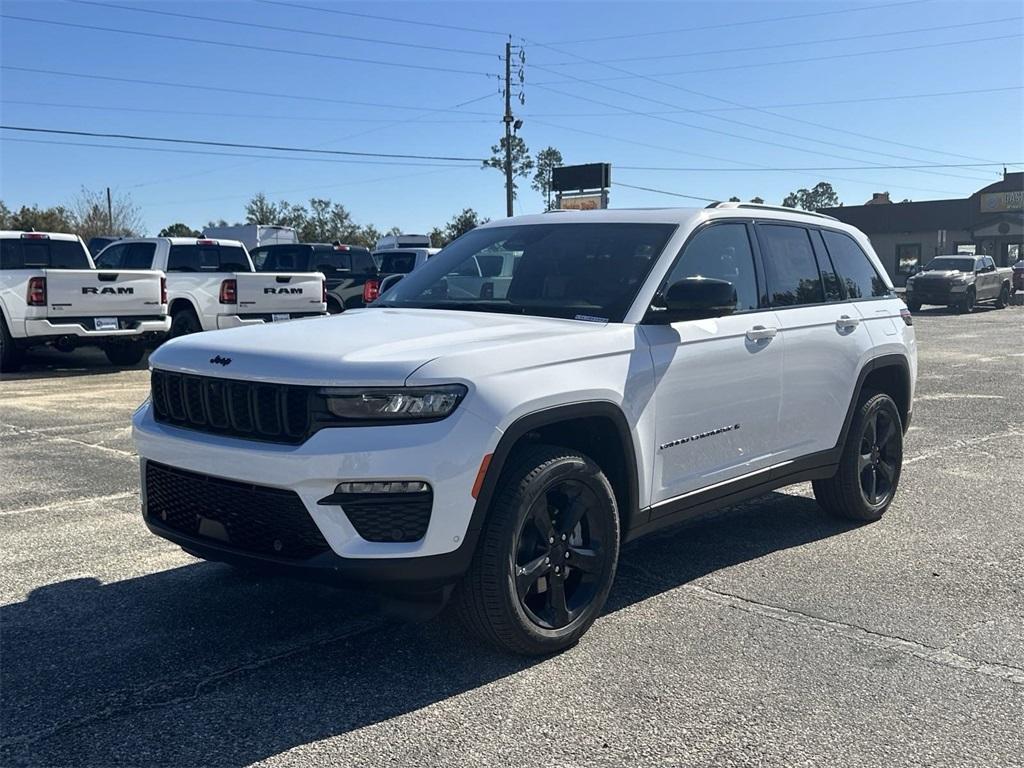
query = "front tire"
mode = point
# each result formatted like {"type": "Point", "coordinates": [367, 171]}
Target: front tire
{"type": "Point", "coordinates": [966, 305]}
{"type": "Point", "coordinates": [547, 555]}
{"type": "Point", "coordinates": [870, 466]}
{"type": "Point", "coordinates": [125, 354]}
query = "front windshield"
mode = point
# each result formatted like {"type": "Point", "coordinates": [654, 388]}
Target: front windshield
{"type": "Point", "coordinates": [582, 271]}
{"type": "Point", "coordinates": [944, 263]}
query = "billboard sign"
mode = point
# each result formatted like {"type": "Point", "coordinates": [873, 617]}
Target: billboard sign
{"type": "Point", "coordinates": [581, 202]}
{"type": "Point", "coordinates": [994, 202]}
{"type": "Point", "coordinates": [576, 178]}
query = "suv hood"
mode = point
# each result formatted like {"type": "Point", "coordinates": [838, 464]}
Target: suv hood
{"type": "Point", "coordinates": [941, 273]}
{"type": "Point", "coordinates": [363, 347]}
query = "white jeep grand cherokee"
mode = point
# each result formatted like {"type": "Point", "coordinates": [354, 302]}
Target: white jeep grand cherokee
{"type": "Point", "coordinates": [620, 371]}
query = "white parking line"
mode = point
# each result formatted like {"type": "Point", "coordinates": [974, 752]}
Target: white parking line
{"type": "Point", "coordinates": [65, 503]}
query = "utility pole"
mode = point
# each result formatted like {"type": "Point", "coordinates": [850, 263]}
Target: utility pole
{"type": "Point", "coordinates": [110, 214]}
{"type": "Point", "coordinates": [508, 127]}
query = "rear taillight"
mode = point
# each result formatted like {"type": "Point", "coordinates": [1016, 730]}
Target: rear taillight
{"type": "Point", "coordinates": [229, 292]}
{"type": "Point", "coordinates": [163, 290]}
{"type": "Point", "coordinates": [371, 290]}
{"type": "Point", "coordinates": [36, 292]}
{"type": "Point", "coordinates": [908, 319]}
{"type": "Point", "coordinates": [323, 291]}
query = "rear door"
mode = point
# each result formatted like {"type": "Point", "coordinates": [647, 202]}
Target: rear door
{"type": "Point", "coordinates": [824, 338]}
{"type": "Point", "coordinates": [719, 380]}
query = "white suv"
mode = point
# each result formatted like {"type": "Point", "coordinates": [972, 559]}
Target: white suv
{"type": "Point", "coordinates": [631, 370]}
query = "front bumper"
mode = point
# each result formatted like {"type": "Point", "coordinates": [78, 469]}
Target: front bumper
{"type": "Point", "coordinates": [80, 328]}
{"type": "Point", "coordinates": [446, 454]}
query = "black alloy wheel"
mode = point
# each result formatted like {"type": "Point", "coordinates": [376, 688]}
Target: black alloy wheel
{"type": "Point", "coordinates": [879, 457]}
{"type": "Point", "coordinates": [559, 555]}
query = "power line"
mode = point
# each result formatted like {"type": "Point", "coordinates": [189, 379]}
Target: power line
{"type": "Point", "coordinates": [761, 169]}
{"type": "Point", "coordinates": [207, 143]}
{"type": "Point", "coordinates": [244, 46]}
{"type": "Point", "coordinates": [747, 22]}
{"type": "Point", "coordinates": [216, 89]}
{"type": "Point", "coordinates": [278, 28]}
{"type": "Point", "coordinates": [790, 105]}
{"type": "Point", "coordinates": [213, 153]}
{"type": "Point", "coordinates": [257, 115]}
{"type": "Point", "coordinates": [763, 64]}
{"type": "Point", "coordinates": [391, 19]}
{"type": "Point", "coordinates": [726, 133]}
{"type": "Point", "coordinates": [791, 44]}
{"type": "Point", "coordinates": [674, 150]}
{"type": "Point", "coordinates": [664, 192]}
{"type": "Point", "coordinates": [714, 97]}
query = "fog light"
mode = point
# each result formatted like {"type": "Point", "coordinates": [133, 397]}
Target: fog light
{"type": "Point", "coordinates": [383, 486]}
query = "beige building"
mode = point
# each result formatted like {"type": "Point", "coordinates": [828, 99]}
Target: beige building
{"type": "Point", "coordinates": [908, 235]}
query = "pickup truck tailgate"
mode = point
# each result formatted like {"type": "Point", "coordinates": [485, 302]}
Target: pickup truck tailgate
{"type": "Point", "coordinates": [278, 292]}
{"type": "Point", "coordinates": [103, 292]}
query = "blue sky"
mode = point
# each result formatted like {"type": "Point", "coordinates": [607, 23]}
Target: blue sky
{"type": "Point", "coordinates": [703, 64]}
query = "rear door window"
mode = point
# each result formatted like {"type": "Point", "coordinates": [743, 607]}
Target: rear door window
{"type": "Point", "coordinates": [19, 253]}
{"type": "Point", "coordinates": [127, 256]}
{"type": "Point", "coordinates": [363, 263]}
{"type": "Point", "coordinates": [833, 285]}
{"type": "Point", "coordinates": [790, 265]}
{"type": "Point", "coordinates": [854, 267]}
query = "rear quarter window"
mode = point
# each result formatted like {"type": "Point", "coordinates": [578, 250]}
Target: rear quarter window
{"type": "Point", "coordinates": [854, 267]}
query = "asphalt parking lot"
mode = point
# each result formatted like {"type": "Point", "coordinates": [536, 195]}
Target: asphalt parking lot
{"type": "Point", "coordinates": [768, 635]}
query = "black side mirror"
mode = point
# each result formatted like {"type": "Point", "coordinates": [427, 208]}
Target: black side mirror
{"type": "Point", "coordinates": [697, 298]}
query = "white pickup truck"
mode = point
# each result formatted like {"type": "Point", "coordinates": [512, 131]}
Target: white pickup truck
{"type": "Point", "coordinates": [51, 294]}
{"type": "Point", "coordinates": [212, 284]}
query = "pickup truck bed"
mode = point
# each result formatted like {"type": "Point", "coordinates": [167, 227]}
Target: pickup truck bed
{"type": "Point", "coordinates": [50, 293]}
{"type": "Point", "coordinates": [212, 284]}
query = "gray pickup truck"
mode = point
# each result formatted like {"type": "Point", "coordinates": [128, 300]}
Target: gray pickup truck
{"type": "Point", "coordinates": [959, 282]}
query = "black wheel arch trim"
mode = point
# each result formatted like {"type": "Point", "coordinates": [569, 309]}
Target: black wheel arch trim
{"type": "Point", "coordinates": [547, 417]}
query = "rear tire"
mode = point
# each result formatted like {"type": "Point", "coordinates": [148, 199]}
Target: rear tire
{"type": "Point", "coordinates": [125, 354]}
{"type": "Point", "coordinates": [1004, 298]}
{"type": "Point", "coordinates": [522, 591]}
{"type": "Point", "coordinates": [11, 357]}
{"type": "Point", "coordinates": [869, 469]}
{"type": "Point", "coordinates": [184, 322]}
{"type": "Point", "coordinates": [335, 307]}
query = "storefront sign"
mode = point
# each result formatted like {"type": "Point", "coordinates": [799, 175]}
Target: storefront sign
{"type": "Point", "coordinates": [993, 202]}
{"type": "Point", "coordinates": [580, 202]}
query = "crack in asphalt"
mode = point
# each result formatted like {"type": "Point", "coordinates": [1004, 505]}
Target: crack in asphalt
{"type": "Point", "coordinates": [72, 503]}
{"type": "Point", "coordinates": [959, 445]}
{"type": "Point", "coordinates": [63, 439]}
{"type": "Point", "coordinates": [922, 651]}
{"type": "Point", "coordinates": [361, 627]}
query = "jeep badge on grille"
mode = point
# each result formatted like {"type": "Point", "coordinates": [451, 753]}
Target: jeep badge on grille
{"type": "Point", "coordinates": [218, 360]}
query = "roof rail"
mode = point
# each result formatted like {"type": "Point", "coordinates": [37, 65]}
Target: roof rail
{"type": "Point", "coordinates": [779, 208]}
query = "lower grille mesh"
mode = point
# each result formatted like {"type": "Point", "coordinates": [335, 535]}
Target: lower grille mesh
{"type": "Point", "coordinates": [249, 518]}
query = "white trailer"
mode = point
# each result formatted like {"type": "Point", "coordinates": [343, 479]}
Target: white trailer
{"type": "Point", "coordinates": [254, 235]}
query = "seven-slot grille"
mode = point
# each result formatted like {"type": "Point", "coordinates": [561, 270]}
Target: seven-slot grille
{"type": "Point", "coordinates": [245, 517]}
{"type": "Point", "coordinates": [278, 413]}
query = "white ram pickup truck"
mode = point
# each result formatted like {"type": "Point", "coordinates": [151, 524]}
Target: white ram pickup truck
{"type": "Point", "coordinates": [51, 294]}
{"type": "Point", "coordinates": [212, 284]}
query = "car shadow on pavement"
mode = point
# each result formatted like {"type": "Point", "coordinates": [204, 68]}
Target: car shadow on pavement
{"type": "Point", "coordinates": [50, 364]}
{"type": "Point", "coordinates": [202, 665]}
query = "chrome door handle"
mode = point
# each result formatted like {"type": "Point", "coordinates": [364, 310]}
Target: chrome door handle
{"type": "Point", "coordinates": [845, 321]}
{"type": "Point", "coordinates": [759, 332]}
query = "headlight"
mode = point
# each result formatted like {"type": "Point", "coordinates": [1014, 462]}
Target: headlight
{"type": "Point", "coordinates": [910, 281]}
{"type": "Point", "coordinates": [393, 404]}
